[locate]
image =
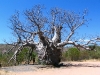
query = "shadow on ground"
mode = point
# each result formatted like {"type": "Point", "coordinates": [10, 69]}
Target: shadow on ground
{"type": "Point", "coordinates": [22, 68]}
{"type": "Point", "coordinates": [78, 65]}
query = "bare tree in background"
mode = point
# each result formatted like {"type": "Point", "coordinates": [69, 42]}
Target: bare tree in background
{"type": "Point", "coordinates": [46, 33]}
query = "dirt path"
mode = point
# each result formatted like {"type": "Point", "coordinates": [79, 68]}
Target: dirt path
{"type": "Point", "coordinates": [70, 68]}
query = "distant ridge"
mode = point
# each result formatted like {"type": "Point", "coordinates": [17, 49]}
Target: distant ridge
{"type": "Point", "coordinates": [4, 47]}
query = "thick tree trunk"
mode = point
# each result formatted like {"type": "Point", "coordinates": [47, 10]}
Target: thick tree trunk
{"type": "Point", "coordinates": [47, 50]}
{"type": "Point", "coordinates": [49, 55]}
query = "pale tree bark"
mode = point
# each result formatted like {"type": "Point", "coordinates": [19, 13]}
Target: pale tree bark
{"type": "Point", "coordinates": [44, 34]}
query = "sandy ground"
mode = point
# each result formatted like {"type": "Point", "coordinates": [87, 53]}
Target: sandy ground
{"type": "Point", "coordinates": [70, 68]}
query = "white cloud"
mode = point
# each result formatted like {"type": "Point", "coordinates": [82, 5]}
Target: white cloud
{"type": "Point", "coordinates": [83, 40]}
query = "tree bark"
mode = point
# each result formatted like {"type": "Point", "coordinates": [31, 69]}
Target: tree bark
{"type": "Point", "coordinates": [49, 55]}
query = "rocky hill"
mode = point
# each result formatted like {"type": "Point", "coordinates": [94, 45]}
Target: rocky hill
{"type": "Point", "coordinates": [4, 47]}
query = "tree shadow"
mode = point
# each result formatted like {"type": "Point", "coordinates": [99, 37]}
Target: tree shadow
{"type": "Point", "coordinates": [77, 65]}
{"type": "Point", "coordinates": [66, 65]}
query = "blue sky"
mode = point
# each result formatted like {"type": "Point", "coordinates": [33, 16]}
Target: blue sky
{"type": "Point", "coordinates": [8, 7]}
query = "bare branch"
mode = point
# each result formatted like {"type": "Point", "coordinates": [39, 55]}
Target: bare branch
{"type": "Point", "coordinates": [44, 33]}
{"type": "Point", "coordinates": [14, 55]}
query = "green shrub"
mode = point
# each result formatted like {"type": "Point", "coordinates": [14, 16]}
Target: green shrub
{"type": "Point", "coordinates": [25, 56]}
{"type": "Point", "coordinates": [84, 55]}
{"type": "Point", "coordinates": [4, 59]}
{"type": "Point", "coordinates": [22, 55]}
{"type": "Point", "coordinates": [72, 54]}
{"type": "Point", "coordinates": [65, 56]}
{"type": "Point", "coordinates": [94, 54]}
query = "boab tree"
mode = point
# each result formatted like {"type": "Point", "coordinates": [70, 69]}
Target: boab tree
{"type": "Point", "coordinates": [46, 33]}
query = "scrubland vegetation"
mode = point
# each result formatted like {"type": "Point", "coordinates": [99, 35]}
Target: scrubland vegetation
{"type": "Point", "coordinates": [73, 54]}
{"type": "Point", "coordinates": [70, 54]}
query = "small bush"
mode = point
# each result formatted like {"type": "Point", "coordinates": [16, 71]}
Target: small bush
{"type": "Point", "coordinates": [72, 54]}
{"type": "Point", "coordinates": [22, 56]}
{"type": "Point", "coordinates": [26, 56]}
{"type": "Point", "coordinates": [4, 58]}
{"type": "Point", "coordinates": [84, 55]}
{"type": "Point", "coordinates": [94, 54]}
